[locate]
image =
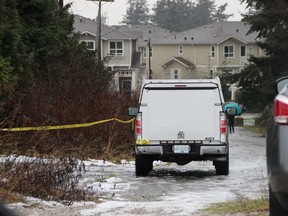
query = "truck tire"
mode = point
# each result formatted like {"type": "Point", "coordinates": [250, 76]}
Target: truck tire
{"type": "Point", "coordinates": [275, 209]}
{"type": "Point", "coordinates": [143, 165]}
{"type": "Point", "coordinates": [222, 167]}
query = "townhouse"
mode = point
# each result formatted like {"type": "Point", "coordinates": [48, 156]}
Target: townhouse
{"type": "Point", "coordinates": [203, 52]}
{"type": "Point", "coordinates": [137, 52]}
{"type": "Point", "coordinates": [125, 47]}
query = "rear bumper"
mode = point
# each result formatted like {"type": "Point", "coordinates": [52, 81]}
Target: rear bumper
{"type": "Point", "coordinates": [196, 150]}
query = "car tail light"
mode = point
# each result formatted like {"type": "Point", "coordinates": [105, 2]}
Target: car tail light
{"type": "Point", "coordinates": [281, 109]}
{"type": "Point", "coordinates": [138, 126]}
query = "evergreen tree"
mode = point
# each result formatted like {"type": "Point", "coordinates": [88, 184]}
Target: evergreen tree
{"type": "Point", "coordinates": [270, 20]}
{"type": "Point", "coordinates": [219, 14]}
{"type": "Point", "coordinates": [50, 41]}
{"type": "Point", "coordinates": [13, 59]}
{"type": "Point", "coordinates": [173, 15]}
{"type": "Point", "coordinates": [38, 48]}
{"type": "Point", "coordinates": [137, 13]}
{"type": "Point", "coordinates": [181, 15]}
{"type": "Point", "coordinates": [47, 28]}
{"type": "Point", "coordinates": [206, 12]}
{"type": "Point", "coordinates": [203, 13]}
{"type": "Point", "coordinates": [10, 36]}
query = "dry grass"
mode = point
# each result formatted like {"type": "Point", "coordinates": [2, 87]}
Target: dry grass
{"type": "Point", "coordinates": [258, 207]}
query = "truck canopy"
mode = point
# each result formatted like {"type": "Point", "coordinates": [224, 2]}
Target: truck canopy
{"type": "Point", "coordinates": [181, 110]}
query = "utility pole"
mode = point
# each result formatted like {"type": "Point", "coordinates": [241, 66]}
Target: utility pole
{"type": "Point", "coordinates": [150, 70]}
{"type": "Point", "coordinates": [98, 32]}
{"type": "Point", "coordinates": [149, 59]}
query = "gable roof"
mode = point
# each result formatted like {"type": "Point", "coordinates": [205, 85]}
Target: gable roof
{"type": "Point", "coordinates": [85, 25]}
{"type": "Point", "coordinates": [214, 33]}
{"type": "Point", "coordinates": [180, 60]}
{"type": "Point", "coordinates": [145, 32]}
{"type": "Point", "coordinates": [233, 37]}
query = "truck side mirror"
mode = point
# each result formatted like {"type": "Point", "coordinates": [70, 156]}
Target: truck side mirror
{"type": "Point", "coordinates": [133, 111]}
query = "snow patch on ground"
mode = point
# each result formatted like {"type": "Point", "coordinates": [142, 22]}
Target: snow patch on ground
{"type": "Point", "coordinates": [169, 189]}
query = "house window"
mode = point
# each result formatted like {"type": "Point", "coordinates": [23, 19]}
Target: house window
{"type": "Point", "coordinates": [144, 52]}
{"type": "Point", "coordinates": [229, 51]}
{"type": "Point", "coordinates": [90, 44]}
{"type": "Point", "coordinates": [243, 51]}
{"type": "Point", "coordinates": [116, 48]}
{"type": "Point", "coordinates": [151, 52]}
{"type": "Point", "coordinates": [175, 74]}
{"type": "Point", "coordinates": [212, 52]}
{"type": "Point", "coordinates": [180, 49]}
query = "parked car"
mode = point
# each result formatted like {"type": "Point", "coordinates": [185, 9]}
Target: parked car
{"type": "Point", "coordinates": [180, 121]}
{"type": "Point", "coordinates": [277, 152]}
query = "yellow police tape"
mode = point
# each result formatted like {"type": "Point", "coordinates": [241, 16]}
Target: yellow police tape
{"type": "Point", "coordinates": [59, 127]}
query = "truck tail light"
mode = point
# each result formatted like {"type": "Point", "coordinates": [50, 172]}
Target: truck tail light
{"type": "Point", "coordinates": [281, 110]}
{"type": "Point", "coordinates": [138, 126]}
{"type": "Point", "coordinates": [223, 127]}
{"type": "Point", "coordinates": [223, 124]}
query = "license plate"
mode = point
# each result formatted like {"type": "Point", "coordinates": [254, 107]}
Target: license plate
{"type": "Point", "coordinates": [181, 149]}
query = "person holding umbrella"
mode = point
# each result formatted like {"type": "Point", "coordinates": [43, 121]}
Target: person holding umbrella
{"type": "Point", "coordinates": [231, 109]}
{"type": "Point", "coordinates": [231, 112]}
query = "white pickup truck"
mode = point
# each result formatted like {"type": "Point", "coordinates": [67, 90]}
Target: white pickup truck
{"type": "Point", "coordinates": [180, 121]}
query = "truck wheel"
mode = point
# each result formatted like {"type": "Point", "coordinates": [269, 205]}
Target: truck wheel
{"type": "Point", "coordinates": [143, 165]}
{"type": "Point", "coordinates": [275, 209]}
{"type": "Point", "coordinates": [222, 167]}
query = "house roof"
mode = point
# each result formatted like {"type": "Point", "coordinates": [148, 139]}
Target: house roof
{"type": "Point", "coordinates": [145, 32]}
{"type": "Point", "coordinates": [85, 25]}
{"type": "Point", "coordinates": [214, 33]}
{"type": "Point", "coordinates": [180, 60]}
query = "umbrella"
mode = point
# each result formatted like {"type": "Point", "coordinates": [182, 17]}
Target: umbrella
{"type": "Point", "coordinates": [236, 108]}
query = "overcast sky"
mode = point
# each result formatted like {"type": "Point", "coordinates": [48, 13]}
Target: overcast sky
{"type": "Point", "coordinates": [115, 10]}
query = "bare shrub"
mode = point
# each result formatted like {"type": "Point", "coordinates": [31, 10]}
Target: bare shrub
{"type": "Point", "coordinates": [45, 179]}
{"type": "Point", "coordinates": [108, 139]}
{"type": "Point", "coordinates": [70, 102]}
{"type": "Point", "coordinates": [74, 89]}
{"type": "Point", "coordinates": [59, 181]}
